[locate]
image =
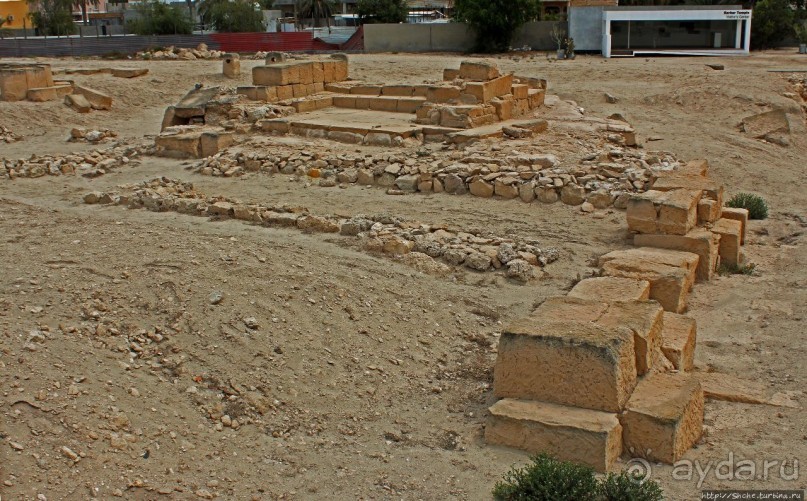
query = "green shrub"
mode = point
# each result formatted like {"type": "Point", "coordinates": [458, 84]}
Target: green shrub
{"type": "Point", "coordinates": [624, 487]}
{"type": "Point", "coordinates": [549, 479]}
{"type": "Point", "coordinates": [771, 24]}
{"type": "Point", "coordinates": [734, 269]}
{"type": "Point", "coordinates": [382, 11]}
{"type": "Point", "coordinates": [495, 21]}
{"type": "Point", "coordinates": [756, 205]}
{"type": "Point", "coordinates": [157, 18]}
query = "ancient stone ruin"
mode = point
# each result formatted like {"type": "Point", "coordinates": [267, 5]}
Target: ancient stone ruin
{"type": "Point", "coordinates": [35, 82]}
{"type": "Point", "coordinates": [604, 371]}
{"type": "Point", "coordinates": [316, 99]}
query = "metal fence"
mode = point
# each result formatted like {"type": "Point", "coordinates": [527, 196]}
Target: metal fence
{"type": "Point", "coordinates": [300, 41]}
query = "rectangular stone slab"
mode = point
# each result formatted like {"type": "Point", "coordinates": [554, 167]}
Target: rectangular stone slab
{"type": "Point", "coordinates": [740, 215]}
{"type": "Point", "coordinates": [645, 319]}
{"type": "Point", "coordinates": [611, 289]}
{"type": "Point", "coordinates": [478, 71]}
{"type": "Point", "coordinates": [672, 212]}
{"type": "Point", "coordinates": [583, 436]}
{"type": "Point", "coordinates": [679, 338]}
{"type": "Point", "coordinates": [676, 181]}
{"type": "Point", "coordinates": [730, 232]}
{"type": "Point", "coordinates": [664, 417]}
{"type": "Point", "coordinates": [579, 364]}
{"type": "Point", "coordinates": [670, 273]}
{"type": "Point", "coordinates": [698, 241]}
{"type": "Point", "coordinates": [97, 99]}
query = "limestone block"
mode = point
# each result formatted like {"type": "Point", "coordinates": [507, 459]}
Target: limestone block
{"type": "Point", "coordinates": [42, 94]}
{"type": "Point", "coordinates": [170, 118]}
{"type": "Point", "coordinates": [277, 74]}
{"type": "Point", "coordinates": [344, 101]}
{"type": "Point", "coordinates": [329, 73]}
{"type": "Point", "coordinates": [520, 91]}
{"type": "Point", "coordinates": [78, 102]}
{"type": "Point", "coordinates": [676, 181]}
{"type": "Point", "coordinates": [537, 97]}
{"type": "Point", "coordinates": [13, 84]}
{"type": "Point", "coordinates": [679, 339]}
{"type": "Point", "coordinates": [485, 91]}
{"type": "Point", "coordinates": [340, 70]}
{"type": "Point", "coordinates": [504, 107]}
{"type": "Point", "coordinates": [312, 104]}
{"type": "Point", "coordinates": [263, 93]}
{"type": "Point", "coordinates": [478, 71]}
{"type": "Point", "coordinates": [538, 125]}
{"type": "Point", "coordinates": [645, 319]}
{"type": "Point", "coordinates": [410, 104]}
{"type": "Point", "coordinates": [299, 90]}
{"type": "Point", "coordinates": [708, 211]}
{"type": "Point", "coordinates": [730, 232]}
{"type": "Point", "coordinates": [670, 273]}
{"type": "Point", "coordinates": [694, 168]}
{"type": "Point", "coordinates": [384, 104]}
{"type": "Point", "coordinates": [317, 72]}
{"type": "Point", "coordinates": [673, 212]}
{"type": "Point", "coordinates": [179, 145]}
{"type": "Point", "coordinates": [306, 73]}
{"type": "Point", "coordinates": [284, 92]}
{"type": "Point", "coordinates": [231, 66]}
{"type": "Point", "coordinates": [572, 434]}
{"type": "Point", "coordinates": [398, 90]}
{"type": "Point", "coordinates": [275, 57]}
{"type": "Point", "coordinates": [97, 99]}
{"type": "Point", "coordinates": [274, 125]}
{"type": "Point", "coordinates": [450, 74]}
{"type": "Point", "coordinates": [740, 215]}
{"type": "Point", "coordinates": [608, 289]}
{"type": "Point", "coordinates": [569, 363]}
{"type": "Point", "coordinates": [664, 417]}
{"type": "Point", "coordinates": [698, 241]}
{"type": "Point", "coordinates": [366, 90]}
{"type": "Point", "coordinates": [442, 94]}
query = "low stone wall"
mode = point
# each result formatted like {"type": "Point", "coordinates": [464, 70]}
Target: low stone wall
{"type": "Point", "coordinates": [430, 248]}
{"type": "Point", "coordinates": [91, 164]}
{"type": "Point", "coordinates": [601, 180]}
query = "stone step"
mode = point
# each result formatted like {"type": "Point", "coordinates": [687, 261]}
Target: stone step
{"type": "Point", "coordinates": [569, 433]}
{"type": "Point", "coordinates": [664, 417]}
{"type": "Point", "coordinates": [611, 289]}
{"type": "Point", "coordinates": [700, 241]}
{"type": "Point", "coordinates": [679, 337]}
{"type": "Point", "coordinates": [379, 103]}
{"type": "Point", "coordinates": [41, 94]}
{"type": "Point", "coordinates": [671, 273]}
{"type": "Point", "coordinates": [740, 215]}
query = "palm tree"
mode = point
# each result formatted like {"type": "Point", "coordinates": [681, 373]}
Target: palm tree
{"type": "Point", "coordinates": [316, 10]}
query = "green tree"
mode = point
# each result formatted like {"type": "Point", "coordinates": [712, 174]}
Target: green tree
{"type": "Point", "coordinates": [52, 17]}
{"type": "Point", "coordinates": [771, 23]}
{"type": "Point", "coordinates": [495, 21]}
{"type": "Point", "coordinates": [316, 10]}
{"type": "Point", "coordinates": [238, 16]}
{"type": "Point", "coordinates": [382, 11]}
{"type": "Point", "coordinates": [158, 18]}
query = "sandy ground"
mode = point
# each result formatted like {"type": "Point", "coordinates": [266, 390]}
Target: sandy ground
{"type": "Point", "coordinates": [364, 379]}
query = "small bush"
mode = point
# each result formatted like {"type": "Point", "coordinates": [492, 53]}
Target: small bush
{"type": "Point", "coordinates": [624, 487]}
{"type": "Point", "coordinates": [549, 479]}
{"type": "Point", "coordinates": [733, 269]}
{"type": "Point", "coordinates": [756, 205]}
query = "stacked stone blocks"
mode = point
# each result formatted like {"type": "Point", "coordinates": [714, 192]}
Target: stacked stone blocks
{"type": "Point", "coordinates": [604, 371]}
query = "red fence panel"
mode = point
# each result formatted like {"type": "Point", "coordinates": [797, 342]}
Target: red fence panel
{"type": "Point", "coordinates": [300, 41]}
